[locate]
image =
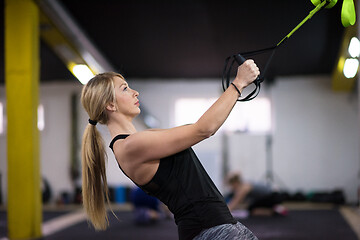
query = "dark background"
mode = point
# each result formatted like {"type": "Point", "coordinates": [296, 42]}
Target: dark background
{"type": "Point", "coordinates": [191, 39]}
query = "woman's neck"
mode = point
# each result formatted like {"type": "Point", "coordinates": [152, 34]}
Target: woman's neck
{"type": "Point", "coordinates": [120, 126]}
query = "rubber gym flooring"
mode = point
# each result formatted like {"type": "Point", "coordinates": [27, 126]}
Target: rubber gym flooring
{"type": "Point", "coordinates": [298, 224]}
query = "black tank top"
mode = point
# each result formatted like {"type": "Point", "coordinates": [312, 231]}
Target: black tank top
{"type": "Point", "coordinates": [182, 184]}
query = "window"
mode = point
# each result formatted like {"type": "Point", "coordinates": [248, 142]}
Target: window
{"type": "Point", "coordinates": [253, 116]}
{"type": "Point", "coordinates": [40, 124]}
{"type": "Point", "coordinates": [189, 110]}
{"type": "Point", "coordinates": [41, 118]}
{"type": "Point", "coordinates": [1, 118]}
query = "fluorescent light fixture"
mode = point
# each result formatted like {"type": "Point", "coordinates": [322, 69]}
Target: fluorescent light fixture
{"type": "Point", "coordinates": [82, 72]}
{"type": "Point", "coordinates": [350, 67]}
{"type": "Point", "coordinates": [354, 47]}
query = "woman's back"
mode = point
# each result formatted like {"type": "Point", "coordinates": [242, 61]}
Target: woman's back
{"type": "Point", "coordinates": [182, 184]}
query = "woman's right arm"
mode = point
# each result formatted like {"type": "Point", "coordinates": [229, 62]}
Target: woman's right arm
{"type": "Point", "coordinates": [157, 144]}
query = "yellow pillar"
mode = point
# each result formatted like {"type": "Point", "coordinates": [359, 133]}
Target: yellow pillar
{"type": "Point", "coordinates": [22, 84]}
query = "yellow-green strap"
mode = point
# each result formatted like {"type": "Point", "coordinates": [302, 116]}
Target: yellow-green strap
{"type": "Point", "coordinates": [348, 16]}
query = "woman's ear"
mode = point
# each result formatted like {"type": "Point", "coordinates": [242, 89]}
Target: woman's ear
{"type": "Point", "coordinates": [111, 107]}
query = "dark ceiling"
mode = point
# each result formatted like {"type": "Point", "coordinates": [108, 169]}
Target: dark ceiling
{"type": "Point", "coordinates": [191, 39]}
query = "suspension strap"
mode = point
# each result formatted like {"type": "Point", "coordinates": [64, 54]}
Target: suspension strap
{"type": "Point", "coordinates": [240, 58]}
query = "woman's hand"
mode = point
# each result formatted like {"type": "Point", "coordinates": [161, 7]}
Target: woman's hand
{"type": "Point", "coordinates": [246, 74]}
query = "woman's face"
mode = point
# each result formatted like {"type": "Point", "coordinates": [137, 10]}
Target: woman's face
{"type": "Point", "coordinates": [126, 98]}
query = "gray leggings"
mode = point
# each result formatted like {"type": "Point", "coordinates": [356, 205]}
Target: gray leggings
{"type": "Point", "coordinates": [227, 232]}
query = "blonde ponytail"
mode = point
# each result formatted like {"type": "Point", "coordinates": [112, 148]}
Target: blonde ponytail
{"type": "Point", "coordinates": [94, 184]}
{"type": "Point", "coordinates": [96, 95]}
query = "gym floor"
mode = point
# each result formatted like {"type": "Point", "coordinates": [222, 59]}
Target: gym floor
{"type": "Point", "coordinates": [304, 221]}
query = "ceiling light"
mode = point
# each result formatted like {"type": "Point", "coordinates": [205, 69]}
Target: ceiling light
{"type": "Point", "coordinates": [354, 47]}
{"type": "Point", "coordinates": [350, 67]}
{"type": "Point", "coordinates": [82, 72]}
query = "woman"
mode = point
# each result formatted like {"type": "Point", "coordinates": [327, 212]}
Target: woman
{"type": "Point", "coordinates": [159, 161]}
{"type": "Point", "coordinates": [259, 198]}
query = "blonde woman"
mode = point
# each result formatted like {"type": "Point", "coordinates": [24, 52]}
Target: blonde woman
{"type": "Point", "coordinates": [159, 161]}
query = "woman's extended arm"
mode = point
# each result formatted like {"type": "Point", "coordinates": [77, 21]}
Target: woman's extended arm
{"type": "Point", "coordinates": [152, 145]}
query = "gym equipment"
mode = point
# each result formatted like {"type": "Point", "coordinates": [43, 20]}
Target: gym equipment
{"type": "Point", "coordinates": [348, 17]}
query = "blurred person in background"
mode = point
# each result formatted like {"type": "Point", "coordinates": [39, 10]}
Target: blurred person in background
{"type": "Point", "coordinates": [254, 198]}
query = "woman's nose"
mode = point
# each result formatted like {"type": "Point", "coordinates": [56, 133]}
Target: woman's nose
{"type": "Point", "coordinates": [136, 93]}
